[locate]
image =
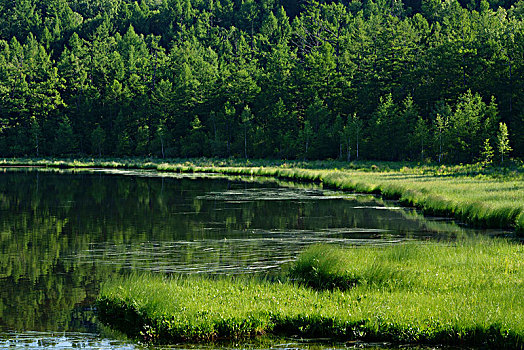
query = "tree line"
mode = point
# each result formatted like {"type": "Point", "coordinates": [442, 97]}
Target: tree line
{"type": "Point", "coordinates": [360, 79]}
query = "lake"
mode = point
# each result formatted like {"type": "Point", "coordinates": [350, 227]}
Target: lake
{"type": "Point", "coordinates": [63, 233]}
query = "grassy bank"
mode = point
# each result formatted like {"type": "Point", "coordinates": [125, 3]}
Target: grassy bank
{"type": "Point", "coordinates": [485, 197]}
{"type": "Point", "coordinates": [468, 293]}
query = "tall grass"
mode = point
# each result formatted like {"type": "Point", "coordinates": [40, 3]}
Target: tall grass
{"type": "Point", "coordinates": [485, 197]}
{"type": "Point", "coordinates": [473, 263]}
{"type": "Point", "coordinates": [467, 293]}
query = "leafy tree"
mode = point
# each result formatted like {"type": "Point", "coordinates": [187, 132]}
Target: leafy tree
{"type": "Point", "coordinates": [35, 132]}
{"type": "Point", "coordinates": [305, 136]}
{"type": "Point", "coordinates": [193, 145]}
{"type": "Point", "coordinates": [161, 138]}
{"type": "Point", "coordinates": [406, 125]}
{"type": "Point", "coordinates": [142, 71]}
{"type": "Point", "coordinates": [123, 139]}
{"type": "Point", "coordinates": [441, 125]}
{"type": "Point", "coordinates": [467, 129]}
{"type": "Point", "coordinates": [65, 142]}
{"type": "Point", "coordinates": [384, 140]}
{"type": "Point", "coordinates": [320, 119]}
{"type": "Point", "coordinates": [247, 118]}
{"type": "Point", "coordinates": [142, 140]}
{"type": "Point", "coordinates": [487, 152]}
{"type": "Point", "coordinates": [503, 141]}
{"type": "Point", "coordinates": [97, 140]}
{"type": "Point", "coordinates": [338, 134]}
{"type": "Point", "coordinates": [352, 131]}
{"type": "Point", "coordinates": [420, 136]}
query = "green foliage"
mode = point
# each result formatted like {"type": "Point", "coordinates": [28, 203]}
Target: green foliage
{"type": "Point", "coordinates": [128, 67]}
{"type": "Point", "coordinates": [487, 152]}
{"type": "Point", "coordinates": [142, 140]}
{"type": "Point", "coordinates": [503, 141]}
{"type": "Point", "coordinates": [97, 140]}
{"type": "Point", "coordinates": [194, 144]}
{"type": "Point", "coordinates": [65, 140]}
{"type": "Point", "coordinates": [463, 293]}
{"type": "Point", "coordinates": [466, 124]}
{"type": "Point", "coordinates": [35, 133]}
{"type": "Point", "coordinates": [419, 138]}
{"type": "Point", "coordinates": [385, 119]}
{"type": "Point", "coordinates": [441, 125]}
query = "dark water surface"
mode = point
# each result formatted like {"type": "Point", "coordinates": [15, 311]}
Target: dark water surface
{"type": "Point", "coordinates": [63, 233]}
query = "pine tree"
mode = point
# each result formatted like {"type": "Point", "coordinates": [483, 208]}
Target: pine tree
{"type": "Point", "coordinates": [65, 142]}
{"type": "Point", "coordinates": [97, 140]}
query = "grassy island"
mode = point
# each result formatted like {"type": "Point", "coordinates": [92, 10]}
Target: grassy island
{"type": "Point", "coordinates": [465, 293]}
{"type": "Point", "coordinates": [490, 197]}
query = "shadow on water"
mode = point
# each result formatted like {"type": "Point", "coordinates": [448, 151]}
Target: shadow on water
{"type": "Point", "coordinates": [62, 233]}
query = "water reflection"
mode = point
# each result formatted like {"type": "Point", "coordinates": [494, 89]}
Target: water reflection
{"type": "Point", "coordinates": [64, 233]}
{"type": "Point", "coordinates": [61, 341]}
{"type": "Point", "coordinates": [74, 340]}
{"type": "Point", "coordinates": [250, 254]}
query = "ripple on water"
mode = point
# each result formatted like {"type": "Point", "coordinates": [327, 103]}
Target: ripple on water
{"type": "Point", "coordinates": [272, 194]}
{"type": "Point", "coordinates": [89, 341]}
{"type": "Point", "coordinates": [61, 341]}
{"type": "Point", "coordinates": [261, 251]}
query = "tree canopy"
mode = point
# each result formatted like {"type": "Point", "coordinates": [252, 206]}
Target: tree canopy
{"type": "Point", "coordinates": [373, 79]}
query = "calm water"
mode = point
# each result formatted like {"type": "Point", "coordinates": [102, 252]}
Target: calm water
{"type": "Point", "coordinates": [63, 233]}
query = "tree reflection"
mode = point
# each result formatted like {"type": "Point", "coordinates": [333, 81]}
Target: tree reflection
{"type": "Point", "coordinates": [62, 234]}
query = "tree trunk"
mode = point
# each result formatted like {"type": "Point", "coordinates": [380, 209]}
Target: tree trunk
{"type": "Point", "coordinates": [357, 146]}
{"type": "Point", "coordinates": [510, 89]}
{"type": "Point", "coordinates": [307, 144]}
{"type": "Point", "coordinates": [245, 141]}
{"type": "Point", "coordinates": [422, 150]}
{"type": "Point", "coordinates": [215, 135]}
{"type": "Point", "coordinates": [440, 149]}
{"type": "Point", "coordinates": [162, 145]}
{"type": "Point", "coordinates": [348, 150]}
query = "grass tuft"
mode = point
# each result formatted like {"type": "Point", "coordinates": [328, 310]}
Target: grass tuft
{"type": "Point", "coordinates": [465, 293]}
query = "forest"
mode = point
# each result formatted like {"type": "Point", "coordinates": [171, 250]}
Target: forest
{"type": "Point", "coordinates": [430, 80]}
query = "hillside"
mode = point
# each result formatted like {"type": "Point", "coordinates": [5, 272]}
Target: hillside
{"type": "Point", "coordinates": [390, 80]}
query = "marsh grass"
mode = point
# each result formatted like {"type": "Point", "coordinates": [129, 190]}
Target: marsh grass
{"type": "Point", "coordinates": [466, 293]}
{"type": "Point", "coordinates": [490, 197]}
{"type": "Point", "coordinates": [470, 263]}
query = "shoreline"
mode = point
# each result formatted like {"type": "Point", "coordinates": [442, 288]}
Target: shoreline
{"type": "Point", "coordinates": [422, 187]}
{"type": "Point", "coordinates": [411, 293]}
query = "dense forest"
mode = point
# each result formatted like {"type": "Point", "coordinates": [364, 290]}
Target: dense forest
{"type": "Point", "coordinates": [439, 80]}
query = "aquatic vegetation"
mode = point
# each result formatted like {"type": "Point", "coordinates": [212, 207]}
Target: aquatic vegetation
{"type": "Point", "coordinates": [466, 293]}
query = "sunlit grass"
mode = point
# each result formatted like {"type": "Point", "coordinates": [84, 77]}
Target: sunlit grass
{"type": "Point", "coordinates": [473, 263]}
{"type": "Point", "coordinates": [468, 293]}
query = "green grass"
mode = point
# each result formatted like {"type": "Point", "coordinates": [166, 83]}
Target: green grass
{"type": "Point", "coordinates": [469, 264]}
{"type": "Point", "coordinates": [487, 197]}
{"type": "Point", "coordinates": [466, 293]}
